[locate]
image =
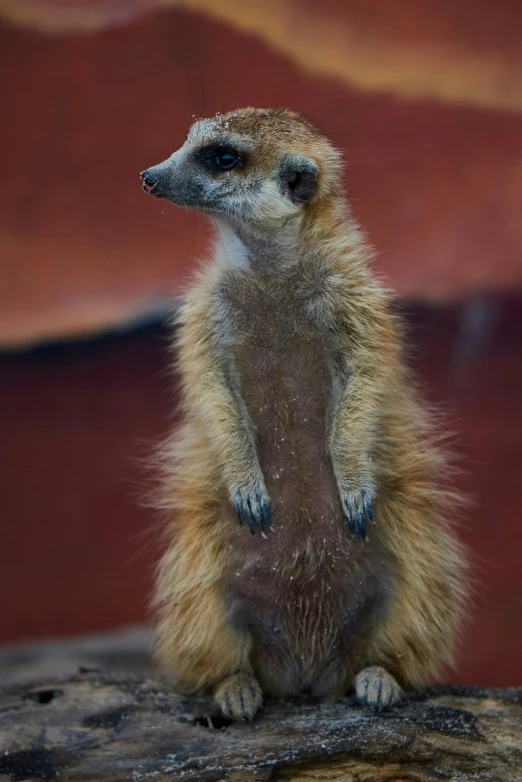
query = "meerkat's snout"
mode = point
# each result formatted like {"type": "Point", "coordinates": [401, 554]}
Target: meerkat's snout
{"type": "Point", "coordinates": [179, 180]}
{"type": "Point", "coordinates": [155, 180]}
{"type": "Point", "coordinates": [149, 181]}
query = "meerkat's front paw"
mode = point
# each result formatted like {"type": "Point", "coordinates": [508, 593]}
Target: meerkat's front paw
{"type": "Point", "coordinates": [239, 697]}
{"type": "Point", "coordinates": [358, 506]}
{"type": "Point", "coordinates": [377, 688]}
{"type": "Point", "coordinates": [252, 504]}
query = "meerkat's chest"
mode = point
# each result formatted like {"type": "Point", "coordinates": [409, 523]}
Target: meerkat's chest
{"type": "Point", "coordinates": [274, 338]}
{"type": "Point", "coordinates": [282, 363]}
{"type": "Point", "coordinates": [271, 309]}
{"type": "Point", "coordinates": [283, 371]}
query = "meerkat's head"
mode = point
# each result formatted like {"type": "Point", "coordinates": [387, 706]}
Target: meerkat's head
{"type": "Point", "coordinates": [251, 167]}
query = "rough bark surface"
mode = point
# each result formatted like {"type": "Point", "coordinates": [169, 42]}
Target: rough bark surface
{"type": "Point", "coordinates": [106, 726]}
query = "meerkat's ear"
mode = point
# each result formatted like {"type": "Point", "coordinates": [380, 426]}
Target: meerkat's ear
{"type": "Point", "coordinates": [299, 178]}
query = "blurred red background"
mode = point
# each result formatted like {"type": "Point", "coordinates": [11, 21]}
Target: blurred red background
{"type": "Point", "coordinates": [426, 101]}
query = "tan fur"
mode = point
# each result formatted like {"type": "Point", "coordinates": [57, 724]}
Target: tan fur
{"type": "Point", "coordinates": [294, 389]}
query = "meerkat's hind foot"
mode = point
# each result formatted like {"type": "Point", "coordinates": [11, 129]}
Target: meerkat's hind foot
{"type": "Point", "coordinates": [239, 697]}
{"type": "Point", "coordinates": [377, 688]}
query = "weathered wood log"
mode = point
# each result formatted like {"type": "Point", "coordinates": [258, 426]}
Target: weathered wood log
{"type": "Point", "coordinates": [105, 726]}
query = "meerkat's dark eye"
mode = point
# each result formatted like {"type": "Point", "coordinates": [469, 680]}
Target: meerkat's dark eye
{"type": "Point", "coordinates": [226, 158]}
{"type": "Point", "coordinates": [218, 159]}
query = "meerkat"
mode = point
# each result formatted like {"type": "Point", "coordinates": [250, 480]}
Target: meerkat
{"type": "Point", "coordinates": [309, 547]}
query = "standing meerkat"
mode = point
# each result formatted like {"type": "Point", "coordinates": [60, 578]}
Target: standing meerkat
{"type": "Point", "coordinates": [299, 421]}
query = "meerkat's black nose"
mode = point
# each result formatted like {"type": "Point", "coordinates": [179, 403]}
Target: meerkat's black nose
{"type": "Point", "coordinates": [149, 181]}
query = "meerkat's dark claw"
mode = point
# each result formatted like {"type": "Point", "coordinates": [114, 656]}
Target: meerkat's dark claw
{"type": "Point", "coordinates": [244, 512]}
{"type": "Point", "coordinates": [357, 507]}
{"type": "Point", "coordinates": [250, 520]}
{"type": "Point", "coordinates": [265, 510]}
{"type": "Point", "coordinates": [254, 511]}
{"type": "Point", "coordinates": [348, 518]}
{"type": "Point", "coordinates": [359, 524]}
{"type": "Point", "coordinates": [355, 519]}
{"type": "Point", "coordinates": [368, 509]}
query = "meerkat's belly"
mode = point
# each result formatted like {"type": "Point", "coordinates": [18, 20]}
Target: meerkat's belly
{"type": "Point", "coordinates": [309, 592]}
{"type": "Point", "coordinates": [308, 609]}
